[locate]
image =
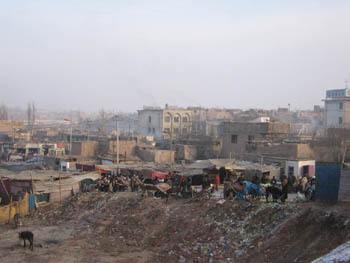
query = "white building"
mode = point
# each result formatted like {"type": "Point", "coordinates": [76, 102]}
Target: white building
{"type": "Point", "coordinates": [261, 120]}
{"type": "Point", "coordinates": [299, 168]}
{"type": "Point", "coordinates": [337, 108]}
{"type": "Point", "coordinates": [165, 123]}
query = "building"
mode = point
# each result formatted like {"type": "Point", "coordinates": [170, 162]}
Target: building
{"type": "Point", "coordinates": [337, 108]}
{"type": "Point", "coordinates": [168, 123]}
{"type": "Point", "coordinates": [84, 149]}
{"type": "Point", "coordinates": [11, 127]}
{"type": "Point", "coordinates": [239, 137]}
{"type": "Point", "coordinates": [300, 168]}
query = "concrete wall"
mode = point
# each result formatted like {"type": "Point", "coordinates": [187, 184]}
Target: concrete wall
{"type": "Point", "coordinates": [125, 146]}
{"type": "Point", "coordinates": [256, 128]}
{"type": "Point", "coordinates": [326, 154]}
{"type": "Point", "coordinates": [288, 150]}
{"type": "Point", "coordinates": [186, 152]}
{"type": "Point", "coordinates": [55, 196]}
{"type": "Point", "coordinates": [150, 122]}
{"type": "Point", "coordinates": [157, 156]}
{"type": "Point", "coordinates": [257, 132]}
{"type": "Point", "coordinates": [84, 149]}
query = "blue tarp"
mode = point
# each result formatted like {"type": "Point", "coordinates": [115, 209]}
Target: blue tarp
{"type": "Point", "coordinates": [31, 202]}
{"type": "Point", "coordinates": [36, 160]}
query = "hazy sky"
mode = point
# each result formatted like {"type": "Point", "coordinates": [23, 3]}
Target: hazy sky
{"type": "Point", "coordinates": [124, 54]}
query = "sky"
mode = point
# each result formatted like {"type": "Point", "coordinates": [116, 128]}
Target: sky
{"type": "Point", "coordinates": [123, 54]}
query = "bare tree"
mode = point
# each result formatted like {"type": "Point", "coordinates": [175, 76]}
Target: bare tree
{"type": "Point", "coordinates": [33, 113]}
{"type": "Point", "coordinates": [29, 114]}
{"type": "Point", "coordinates": [3, 113]}
{"type": "Point", "coordinates": [102, 118]}
{"type": "Point", "coordinates": [80, 119]}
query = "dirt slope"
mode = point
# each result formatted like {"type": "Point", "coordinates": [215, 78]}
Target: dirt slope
{"type": "Point", "coordinates": [123, 227]}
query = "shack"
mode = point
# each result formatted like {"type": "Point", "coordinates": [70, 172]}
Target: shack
{"type": "Point", "coordinates": [300, 168]}
{"type": "Point", "coordinates": [46, 185]}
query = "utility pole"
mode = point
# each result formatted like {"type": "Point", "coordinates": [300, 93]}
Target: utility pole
{"type": "Point", "coordinates": [88, 130]}
{"type": "Point", "coordinates": [346, 83]}
{"type": "Point", "coordinates": [70, 140]}
{"type": "Point", "coordinates": [71, 134]}
{"type": "Point", "coordinates": [117, 137]}
{"type": "Point", "coordinates": [59, 186]}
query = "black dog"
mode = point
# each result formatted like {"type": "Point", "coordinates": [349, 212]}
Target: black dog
{"type": "Point", "coordinates": [27, 235]}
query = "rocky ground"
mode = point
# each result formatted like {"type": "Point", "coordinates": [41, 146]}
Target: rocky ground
{"type": "Point", "coordinates": [123, 227]}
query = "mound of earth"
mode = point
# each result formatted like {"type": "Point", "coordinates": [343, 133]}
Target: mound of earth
{"type": "Point", "coordinates": [124, 227]}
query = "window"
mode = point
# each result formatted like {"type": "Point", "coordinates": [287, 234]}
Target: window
{"type": "Point", "coordinates": [154, 130]}
{"type": "Point", "coordinates": [149, 130]}
{"type": "Point", "coordinates": [184, 119]}
{"type": "Point", "coordinates": [290, 170]}
{"type": "Point", "coordinates": [234, 138]}
{"type": "Point", "coordinates": [149, 119]}
{"type": "Point", "coordinates": [340, 120]}
{"type": "Point", "coordinates": [184, 130]}
{"type": "Point", "coordinates": [167, 119]}
{"type": "Point", "coordinates": [341, 105]}
{"type": "Point", "coordinates": [251, 138]}
{"type": "Point", "coordinates": [176, 130]}
{"type": "Point", "coordinates": [176, 119]}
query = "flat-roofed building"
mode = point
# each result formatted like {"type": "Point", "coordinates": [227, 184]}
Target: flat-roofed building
{"type": "Point", "coordinates": [174, 123]}
{"type": "Point", "coordinates": [337, 108]}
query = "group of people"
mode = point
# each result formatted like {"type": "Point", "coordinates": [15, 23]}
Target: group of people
{"type": "Point", "coordinates": [281, 188]}
{"type": "Point", "coordinates": [116, 183]}
{"type": "Point", "coordinates": [258, 186]}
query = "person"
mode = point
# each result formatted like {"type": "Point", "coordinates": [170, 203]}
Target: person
{"type": "Point", "coordinates": [263, 179]}
{"type": "Point", "coordinates": [105, 184]}
{"type": "Point", "coordinates": [304, 181]}
{"type": "Point", "coordinates": [284, 190]}
{"type": "Point", "coordinates": [132, 185]}
{"type": "Point", "coordinates": [99, 184]}
{"type": "Point", "coordinates": [205, 183]}
{"type": "Point", "coordinates": [189, 184]}
{"type": "Point", "coordinates": [239, 180]}
{"type": "Point", "coordinates": [256, 179]}
{"type": "Point", "coordinates": [273, 181]}
{"type": "Point", "coordinates": [291, 183]}
{"type": "Point", "coordinates": [217, 182]}
{"type": "Point", "coordinates": [183, 184]}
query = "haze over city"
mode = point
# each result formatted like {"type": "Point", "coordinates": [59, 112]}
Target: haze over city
{"type": "Point", "coordinates": [125, 54]}
{"type": "Point", "coordinates": [183, 131]}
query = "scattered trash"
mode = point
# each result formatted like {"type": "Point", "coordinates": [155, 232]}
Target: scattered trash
{"type": "Point", "coordinates": [220, 202]}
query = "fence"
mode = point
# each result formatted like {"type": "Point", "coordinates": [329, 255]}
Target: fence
{"type": "Point", "coordinates": [21, 207]}
{"type": "Point", "coordinates": [327, 182]}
